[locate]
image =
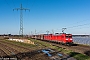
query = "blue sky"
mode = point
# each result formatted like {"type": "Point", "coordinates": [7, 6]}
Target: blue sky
{"type": "Point", "coordinates": [45, 15]}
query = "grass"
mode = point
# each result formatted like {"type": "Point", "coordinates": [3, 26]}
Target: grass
{"type": "Point", "coordinates": [76, 55]}
{"type": "Point", "coordinates": [41, 43]}
{"type": "Point", "coordinates": [79, 56]}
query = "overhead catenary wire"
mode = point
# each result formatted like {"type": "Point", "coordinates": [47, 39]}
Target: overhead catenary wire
{"type": "Point", "coordinates": [77, 25]}
{"type": "Point", "coordinates": [80, 21]}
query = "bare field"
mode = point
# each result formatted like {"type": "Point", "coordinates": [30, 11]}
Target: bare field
{"type": "Point", "coordinates": [11, 49]}
{"type": "Point", "coordinates": [23, 51]}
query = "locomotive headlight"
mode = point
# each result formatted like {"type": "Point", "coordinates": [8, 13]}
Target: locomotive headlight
{"type": "Point", "coordinates": [70, 39]}
{"type": "Point", "coordinates": [66, 39]}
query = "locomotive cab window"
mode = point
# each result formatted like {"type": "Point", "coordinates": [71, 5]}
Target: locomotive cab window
{"type": "Point", "coordinates": [68, 36]}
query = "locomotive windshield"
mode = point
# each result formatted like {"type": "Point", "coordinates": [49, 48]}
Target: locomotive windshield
{"type": "Point", "coordinates": [68, 36]}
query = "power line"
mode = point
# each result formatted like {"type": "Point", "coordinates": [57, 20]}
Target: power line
{"type": "Point", "coordinates": [21, 18]}
{"type": "Point", "coordinates": [13, 3]}
{"type": "Point", "coordinates": [33, 4]}
{"type": "Point", "coordinates": [7, 3]}
{"type": "Point", "coordinates": [27, 3]}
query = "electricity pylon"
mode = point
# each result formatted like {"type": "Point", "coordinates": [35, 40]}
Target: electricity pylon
{"type": "Point", "coordinates": [21, 18]}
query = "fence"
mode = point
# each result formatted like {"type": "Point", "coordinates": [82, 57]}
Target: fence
{"type": "Point", "coordinates": [82, 40]}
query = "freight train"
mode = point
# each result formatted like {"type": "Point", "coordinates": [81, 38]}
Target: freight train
{"type": "Point", "coordinates": [62, 38]}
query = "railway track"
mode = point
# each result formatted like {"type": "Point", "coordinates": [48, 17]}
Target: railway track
{"type": "Point", "coordinates": [79, 49]}
{"type": "Point", "coordinates": [76, 48]}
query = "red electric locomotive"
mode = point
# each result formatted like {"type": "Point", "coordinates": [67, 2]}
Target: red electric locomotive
{"type": "Point", "coordinates": [62, 38]}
